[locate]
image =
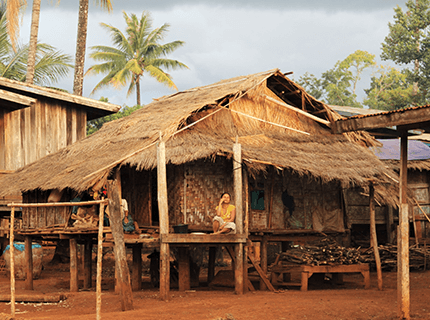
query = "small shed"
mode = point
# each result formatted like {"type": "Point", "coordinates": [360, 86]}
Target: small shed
{"type": "Point", "coordinates": [37, 121]}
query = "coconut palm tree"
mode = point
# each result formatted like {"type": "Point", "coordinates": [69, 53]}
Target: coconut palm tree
{"type": "Point", "coordinates": [14, 9]}
{"type": "Point", "coordinates": [50, 64]}
{"type": "Point", "coordinates": [81, 42]}
{"type": "Point", "coordinates": [135, 53]}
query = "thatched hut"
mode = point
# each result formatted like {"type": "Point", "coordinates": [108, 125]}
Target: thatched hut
{"type": "Point", "coordinates": [286, 149]}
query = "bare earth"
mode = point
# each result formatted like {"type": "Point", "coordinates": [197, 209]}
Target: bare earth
{"type": "Point", "coordinates": [323, 300]}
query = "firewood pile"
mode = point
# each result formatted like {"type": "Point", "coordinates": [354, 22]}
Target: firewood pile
{"type": "Point", "coordinates": [86, 217]}
{"type": "Point", "coordinates": [322, 252]}
{"type": "Point", "coordinates": [388, 256]}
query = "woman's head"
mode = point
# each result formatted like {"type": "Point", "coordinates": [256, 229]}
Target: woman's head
{"type": "Point", "coordinates": [226, 197]}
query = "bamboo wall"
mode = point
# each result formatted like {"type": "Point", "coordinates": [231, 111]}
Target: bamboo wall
{"type": "Point", "coordinates": [194, 190]}
{"type": "Point", "coordinates": [28, 134]}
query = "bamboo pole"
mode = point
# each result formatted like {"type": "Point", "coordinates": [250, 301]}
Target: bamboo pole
{"type": "Point", "coordinates": [57, 204]}
{"type": "Point", "coordinates": [164, 220]}
{"type": "Point", "coordinates": [403, 288]}
{"type": "Point", "coordinates": [12, 263]}
{"type": "Point", "coordinates": [373, 236]}
{"type": "Point", "coordinates": [99, 262]}
{"type": "Point", "coordinates": [29, 263]}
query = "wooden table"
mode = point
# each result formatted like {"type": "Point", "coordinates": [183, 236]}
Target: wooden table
{"type": "Point", "coordinates": [306, 271]}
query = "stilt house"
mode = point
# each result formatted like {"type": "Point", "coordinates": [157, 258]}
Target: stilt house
{"type": "Point", "coordinates": [263, 126]}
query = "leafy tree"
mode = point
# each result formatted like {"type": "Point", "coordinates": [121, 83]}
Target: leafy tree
{"type": "Point", "coordinates": [408, 44]}
{"type": "Point", "coordinates": [389, 90]}
{"type": "Point", "coordinates": [50, 64]}
{"type": "Point", "coordinates": [96, 124]}
{"type": "Point", "coordinates": [312, 85]}
{"type": "Point", "coordinates": [135, 53]}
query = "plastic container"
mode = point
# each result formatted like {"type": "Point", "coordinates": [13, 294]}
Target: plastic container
{"type": "Point", "coordinates": [180, 228]}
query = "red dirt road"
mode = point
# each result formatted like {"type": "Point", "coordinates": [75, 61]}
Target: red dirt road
{"type": "Point", "coordinates": [324, 301]}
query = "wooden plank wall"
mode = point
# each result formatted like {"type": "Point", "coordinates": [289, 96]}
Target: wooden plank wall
{"type": "Point", "coordinates": [36, 218]}
{"type": "Point", "coordinates": [31, 133]}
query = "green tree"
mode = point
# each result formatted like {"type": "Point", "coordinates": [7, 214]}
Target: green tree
{"type": "Point", "coordinates": [312, 85]}
{"type": "Point", "coordinates": [408, 44]}
{"type": "Point", "coordinates": [135, 53]}
{"type": "Point", "coordinates": [389, 90]}
{"type": "Point", "coordinates": [50, 64]}
{"type": "Point", "coordinates": [96, 124]}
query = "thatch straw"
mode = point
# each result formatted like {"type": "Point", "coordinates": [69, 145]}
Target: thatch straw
{"type": "Point", "coordinates": [230, 108]}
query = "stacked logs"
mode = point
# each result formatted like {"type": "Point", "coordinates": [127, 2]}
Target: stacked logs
{"type": "Point", "coordinates": [322, 252]}
{"type": "Point", "coordinates": [418, 257]}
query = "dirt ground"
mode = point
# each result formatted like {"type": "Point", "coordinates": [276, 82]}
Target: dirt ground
{"type": "Point", "coordinates": [324, 300]}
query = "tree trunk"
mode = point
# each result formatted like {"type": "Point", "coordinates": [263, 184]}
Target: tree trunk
{"type": "Point", "coordinates": [31, 62]}
{"type": "Point", "coordinates": [80, 47]}
{"type": "Point", "coordinates": [138, 90]}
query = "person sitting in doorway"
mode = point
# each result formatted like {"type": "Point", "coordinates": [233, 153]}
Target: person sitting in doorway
{"type": "Point", "coordinates": [128, 224]}
{"type": "Point", "coordinates": [223, 222]}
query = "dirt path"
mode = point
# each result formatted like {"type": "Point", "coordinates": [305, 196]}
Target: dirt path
{"type": "Point", "coordinates": [322, 301]}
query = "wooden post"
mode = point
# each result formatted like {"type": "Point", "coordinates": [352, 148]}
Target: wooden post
{"type": "Point", "coordinates": [390, 224]}
{"type": "Point", "coordinates": [88, 255]}
{"type": "Point", "coordinates": [125, 292]}
{"type": "Point", "coordinates": [246, 192]}
{"type": "Point", "coordinates": [263, 260]}
{"type": "Point", "coordinates": [403, 293]}
{"type": "Point", "coordinates": [373, 237]}
{"type": "Point", "coordinates": [136, 281]}
{"type": "Point", "coordinates": [29, 263]}
{"type": "Point", "coordinates": [12, 262]}
{"type": "Point", "coordinates": [99, 263]}
{"type": "Point", "coordinates": [184, 269]}
{"type": "Point", "coordinates": [238, 183]}
{"type": "Point", "coordinates": [246, 230]}
{"type": "Point", "coordinates": [272, 183]}
{"type": "Point", "coordinates": [164, 220]}
{"type": "Point", "coordinates": [238, 272]}
{"type": "Point", "coordinates": [211, 264]}
{"type": "Point", "coordinates": [73, 265]}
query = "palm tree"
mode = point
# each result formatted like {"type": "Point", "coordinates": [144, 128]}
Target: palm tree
{"type": "Point", "coordinates": [134, 54]}
{"type": "Point", "coordinates": [50, 64]}
{"type": "Point", "coordinates": [14, 8]}
{"type": "Point", "coordinates": [81, 42]}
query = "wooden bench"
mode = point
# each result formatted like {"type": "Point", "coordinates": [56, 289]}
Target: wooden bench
{"type": "Point", "coordinates": [281, 274]}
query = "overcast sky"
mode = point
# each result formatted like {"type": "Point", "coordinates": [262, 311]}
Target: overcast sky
{"type": "Point", "coordinates": [227, 38]}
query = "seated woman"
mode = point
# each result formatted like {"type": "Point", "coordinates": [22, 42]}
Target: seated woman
{"type": "Point", "coordinates": [223, 221]}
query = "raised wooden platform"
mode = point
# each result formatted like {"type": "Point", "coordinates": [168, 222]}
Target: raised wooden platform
{"type": "Point", "coordinates": [178, 238]}
{"type": "Point", "coordinates": [306, 271]}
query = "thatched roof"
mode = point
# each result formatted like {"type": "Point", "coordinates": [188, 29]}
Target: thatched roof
{"type": "Point", "coordinates": [275, 121]}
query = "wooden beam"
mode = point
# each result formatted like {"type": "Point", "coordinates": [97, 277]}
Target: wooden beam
{"type": "Point", "coordinates": [382, 120]}
{"type": "Point", "coordinates": [33, 90]}
{"type": "Point", "coordinates": [125, 292]}
{"type": "Point", "coordinates": [88, 255]}
{"type": "Point", "coordinates": [238, 183]}
{"type": "Point", "coordinates": [17, 98]}
{"type": "Point", "coordinates": [29, 263]}
{"type": "Point", "coordinates": [184, 282]}
{"type": "Point", "coordinates": [99, 263]}
{"type": "Point", "coordinates": [373, 237]}
{"type": "Point", "coordinates": [211, 264]}
{"type": "Point", "coordinates": [202, 238]}
{"type": "Point", "coordinates": [57, 204]}
{"type": "Point", "coordinates": [12, 262]}
{"type": "Point", "coordinates": [263, 260]}
{"type": "Point", "coordinates": [136, 281]}
{"type": "Point", "coordinates": [262, 274]}
{"type": "Point", "coordinates": [73, 265]}
{"type": "Point", "coordinates": [164, 220]}
{"type": "Point", "coordinates": [403, 292]}
{"type": "Point", "coordinates": [304, 113]}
